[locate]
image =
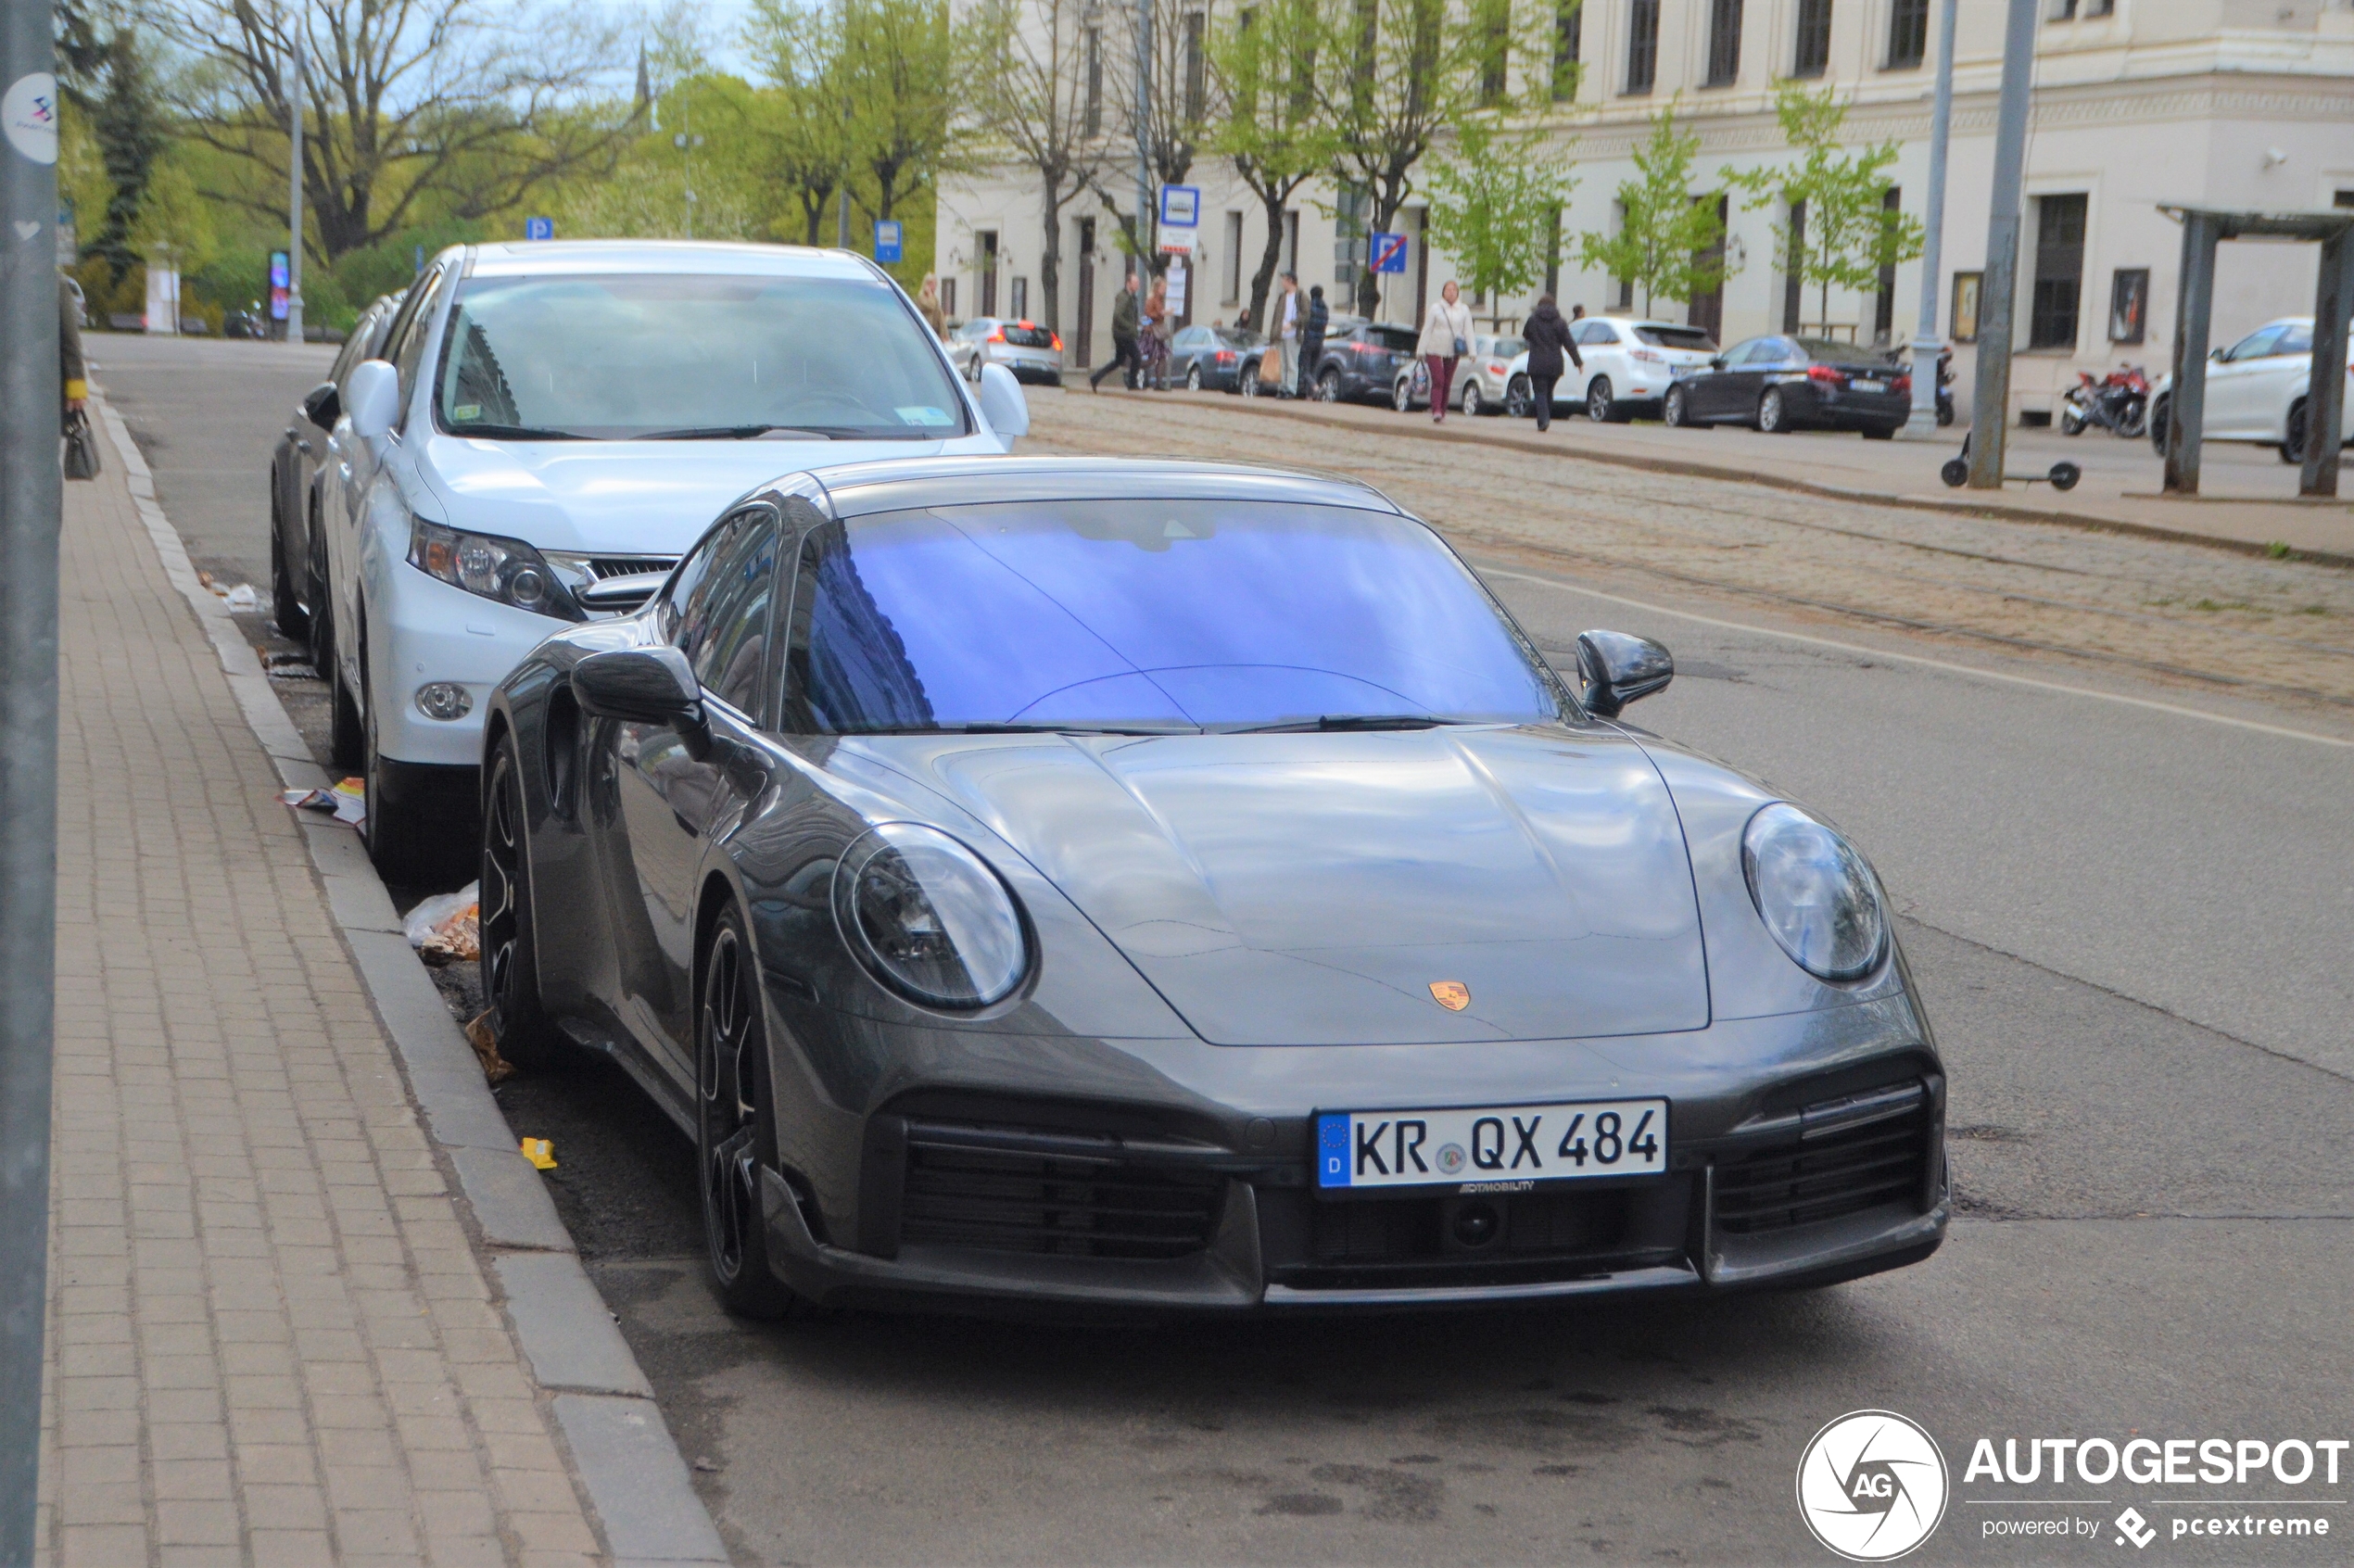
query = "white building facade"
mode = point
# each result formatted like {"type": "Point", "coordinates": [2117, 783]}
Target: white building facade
{"type": "Point", "coordinates": [2137, 102]}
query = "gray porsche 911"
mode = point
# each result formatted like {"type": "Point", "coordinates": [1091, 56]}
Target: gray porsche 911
{"type": "Point", "coordinates": [1174, 886]}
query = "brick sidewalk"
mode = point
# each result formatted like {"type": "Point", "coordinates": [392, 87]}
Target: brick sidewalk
{"type": "Point", "coordinates": [270, 1340]}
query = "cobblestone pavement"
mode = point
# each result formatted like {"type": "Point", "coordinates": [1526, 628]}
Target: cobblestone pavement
{"type": "Point", "coordinates": [2194, 617]}
{"type": "Point", "coordinates": [270, 1340]}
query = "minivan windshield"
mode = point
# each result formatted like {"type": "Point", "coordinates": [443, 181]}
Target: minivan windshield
{"type": "Point", "coordinates": [691, 356]}
{"type": "Point", "coordinates": [1148, 616]}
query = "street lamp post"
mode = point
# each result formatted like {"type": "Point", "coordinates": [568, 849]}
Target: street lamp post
{"type": "Point", "coordinates": [1921, 425]}
{"type": "Point", "coordinates": [1144, 136]}
{"type": "Point", "coordinates": [1991, 399]}
{"type": "Point", "coordinates": [294, 184]}
{"type": "Point", "coordinates": [31, 500]}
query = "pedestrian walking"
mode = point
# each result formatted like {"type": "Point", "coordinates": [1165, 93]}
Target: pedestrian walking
{"type": "Point", "coordinates": [927, 305]}
{"type": "Point", "coordinates": [1548, 338]}
{"type": "Point", "coordinates": [1577, 314]}
{"type": "Point", "coordinates": [1446, 334]}
{"type": "Point", "coordinates": [1125, 318]}
{"type": "Point", "coordinates": [1311, 336]}
{"type": "Point", "coordinates": [1153, 340]}
{"type": "Point", "coordinates": [1287, 333]}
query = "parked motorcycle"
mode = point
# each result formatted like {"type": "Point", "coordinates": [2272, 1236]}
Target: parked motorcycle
{"type": "Point", "coordinates": [2119, 403]}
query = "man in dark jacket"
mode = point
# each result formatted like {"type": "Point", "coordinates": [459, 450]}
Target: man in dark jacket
{"type": "Point", "coordinates": [1126, 313]}
{"type": "Point", "coordinates": [1312, 338]}
{"type": "Point", "coordinates": [1548, 338]}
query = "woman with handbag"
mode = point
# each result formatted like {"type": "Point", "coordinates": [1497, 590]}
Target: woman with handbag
{"type": "Point", "coordinates": [1446, 334]}
{"type": "Point", "coordinates": [82, 442]}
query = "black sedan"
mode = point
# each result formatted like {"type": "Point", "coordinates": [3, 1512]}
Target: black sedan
{"type": "Point", "coordinates": [1210, 357]}
{"type": "Point", "coordinates": [297, 547]}
{"type": "Point", "coordinates": [1186, 887]}
{"type": "Point", "coordinates": [1778, 382]}
{"type": "Point", "coordinates": [1359, 362]}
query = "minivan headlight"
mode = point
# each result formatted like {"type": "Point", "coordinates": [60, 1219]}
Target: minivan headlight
{"type": "Point", "coordinates": [1815, 894]}
{"type": "Point", "coordinates": [929, 918]}
{"type": "Point", "coordinates": [507, 570]}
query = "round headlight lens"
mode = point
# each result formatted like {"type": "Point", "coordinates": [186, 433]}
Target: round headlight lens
{"type": "Point", "coordinates": [1815, 894]}
{"type": "Point", "coordinates": [929, 917]}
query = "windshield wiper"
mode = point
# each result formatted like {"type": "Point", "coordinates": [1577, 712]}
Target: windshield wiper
{"type": "Point", "coordinates": [1338, 722]}
{"type": "Point", "coordinates": [518, 432]}
{"type": "Point", "coordinates": [735, 433]}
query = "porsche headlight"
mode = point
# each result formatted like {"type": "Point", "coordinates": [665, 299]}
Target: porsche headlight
{"type": "Point", "coordinates": [929, 918]}
{"type": "Point", "coordinates": [507, 570]}
{"type": "Point", "coordinates": [1815, 894]}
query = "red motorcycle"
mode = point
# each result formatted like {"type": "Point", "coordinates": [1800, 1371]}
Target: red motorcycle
{"type": "Point", "coordinates": [2119, 403]}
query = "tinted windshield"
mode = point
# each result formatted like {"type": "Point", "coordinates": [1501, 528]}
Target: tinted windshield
{"type": "Point", "coordinates": [1692, 338]}
{"type": "Point", "coordinates": [625, 357]}
{"type": "Point", "coordinates": [1150, 614]}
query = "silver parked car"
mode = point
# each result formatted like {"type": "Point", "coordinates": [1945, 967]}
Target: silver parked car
{"type": "Point", "coordinates": [1032, 352]}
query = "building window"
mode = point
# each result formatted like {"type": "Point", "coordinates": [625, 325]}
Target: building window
{"type": "Point", "coordinates": [1196, 77]}
{"type": "Point", "coordinates": [1621, 290]}
{"type": "Point", "coordinates": [2061, 10]}
{"type": "Point", "coordinates": [1724, 43]}
{"type": "Point", "coordinates": [2100, 7]}
{"type": "Point", "coordinates": [1884, 302]}
{"type": "Point", "coordinates": [1814, 53]}
{"type": "Point", "coordinates": [1291, 242]}
{"type": "Point", "coordinates": [2129, 305]}
{"type": "Point", "coordinates": [2060, 271]}
{"type": "Point", "coordinates": [1094, 118]}
{"type": "Point", "coordinates": [985, 243]}
{"type": "Point", "coordinates": [1021, 299]}
{"type": "Point", "coordinates": [1495, 47]}
{"type": "Point", "coordinates": [1350, 205]}
{"type": "Point", "coordinates": [2343, 198]}
{"type": "Point", "coordinates": [1569, 26]}
{"type": "Point", "coordinates": [1907, 35]}
{"type": "Point", "coordinates": [1962, 324]}
{"type": "Point", "coordinates": [1643, 45]}
{"type": "Point", "coordinates": [948, 298]}
{"type": "Point", "coordinates": [1233, 257]}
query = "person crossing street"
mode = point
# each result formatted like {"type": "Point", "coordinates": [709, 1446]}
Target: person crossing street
{"type": "Point", "coordinates": [1312, 338]}
{"type": "Point", "coordinates": [1548, 338]}
{"type": "Point", "coordinates": [1446, 334]}
{"type": "Point", "coordinates": [1126, 315]}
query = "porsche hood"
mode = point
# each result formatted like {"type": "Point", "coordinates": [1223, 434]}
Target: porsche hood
{"type": "Point", "coordinates": [1333, 888]}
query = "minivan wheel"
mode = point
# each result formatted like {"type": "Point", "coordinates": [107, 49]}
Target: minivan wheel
{"type": "Point", "coordinates": [398, 841]}
{"type": "Point", "coordinates": [1598, 405]}
{"type": "Point", "coordinates": [735, 1127]}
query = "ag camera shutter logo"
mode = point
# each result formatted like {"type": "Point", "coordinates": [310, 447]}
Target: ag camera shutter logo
{"type": "Point", "coordinates": [1872, 1485]}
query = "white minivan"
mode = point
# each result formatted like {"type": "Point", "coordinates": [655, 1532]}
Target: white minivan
{"type": "Point", "coordinates": [551, 426]}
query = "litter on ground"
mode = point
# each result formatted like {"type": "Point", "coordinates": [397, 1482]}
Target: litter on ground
{"type": "Point", "coordinates": [446, 929]}
{"type": "Point", "coordinates": [348, 802]}
{"type": "Point", "coordinates": [541, 1152]}
{"type": "Point", "coordinates": [485, 1040]}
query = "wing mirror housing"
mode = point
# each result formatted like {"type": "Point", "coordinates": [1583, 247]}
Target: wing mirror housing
{"type": "Point", "coordinates": [322, 405]}
{"type": "Point", "coordinates": [375, 402]}
{"type": "Point", "coordinates": [1716, 362]}
{"type": "Point", "coordinates": [1616, 668]}
{"type": "Point", "coordinates": [645, 685]}
{"type": "Point", "coordinates": [1003, 405]}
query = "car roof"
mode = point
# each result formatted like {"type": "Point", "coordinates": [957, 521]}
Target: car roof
{"type": "Point", "coordinates": [538, 258]}
{"type": "Point", "coordinates": [900, 484]}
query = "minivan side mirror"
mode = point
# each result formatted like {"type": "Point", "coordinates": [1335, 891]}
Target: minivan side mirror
{"type": "Point", "coordinates": [1716, 362]}
{"type": "Point", "coordinates": [645, 685]}
{"type": "Point", "coordinates": [1002, 403]}
{"type": "Point", "coordinates": [322, 405]}
{"type": "Point", "coordinates": [1615, 668]}
{"type": "Point", "coordinates": [374, 400]}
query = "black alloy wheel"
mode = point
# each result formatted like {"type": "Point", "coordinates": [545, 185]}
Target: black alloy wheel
{"type": "Point", "coordinates": [1520, 397]}
{"type": "Point", "coordinates": [735, 1129]}
{"type": "Point", "coordinates": [509, 945]}
{"type": "Point", "coordinates": [285, 608]}
{"type": "Point", "coordinates": [1772, 418]}
{"type": "Point", "coordinates": [2292, 450]}
{"type": "Point", "coordinates": [1328, 387]}
{"type": "Point", "coordinates": [1598, 403]}
{"type": "Point", "coordinates": [1675, 413]}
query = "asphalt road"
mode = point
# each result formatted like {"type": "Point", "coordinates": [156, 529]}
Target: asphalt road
{"type": "Point", "coordinates": [2149, 1151]}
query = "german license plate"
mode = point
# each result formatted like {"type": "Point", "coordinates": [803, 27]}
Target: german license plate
{"type": "Point", "coordinates": [1871, 386]}
{"type": "Point", "coordinates": [1502, 1148]}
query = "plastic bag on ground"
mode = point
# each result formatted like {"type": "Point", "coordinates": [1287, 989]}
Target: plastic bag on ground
{"type": "Point", "coordinates": [446, 929]}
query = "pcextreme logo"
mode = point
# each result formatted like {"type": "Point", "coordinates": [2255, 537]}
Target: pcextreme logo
{"type": "Point", "coordinates": [1872, 1485]}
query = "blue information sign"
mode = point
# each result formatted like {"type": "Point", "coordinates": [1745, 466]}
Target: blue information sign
{"type": "Point", "coordinates": [886, 239]}
{"type": "Point", "coordinates": [539, 228]}
{"type": "Point", "coordinates": [1389, 253]}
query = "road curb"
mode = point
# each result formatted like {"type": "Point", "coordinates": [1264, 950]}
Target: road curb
{"type": "Point", "coordinates": [626, 1461]}
{"type": "Point", "coordinates": [1423, 430]}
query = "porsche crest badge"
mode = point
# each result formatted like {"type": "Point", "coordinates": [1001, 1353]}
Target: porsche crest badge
{"type": "Point", "coordinates": [1453, 995]}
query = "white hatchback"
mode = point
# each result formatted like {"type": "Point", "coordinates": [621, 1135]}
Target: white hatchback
{"type": "Point", "coordinates": [1629, 365]}
{"type": "Point", "coordinates": [2256, 390]}
{"type": "Point", "coordinates": [551, 426]}
{"type": "Point", "coordinates": [1480, 377]}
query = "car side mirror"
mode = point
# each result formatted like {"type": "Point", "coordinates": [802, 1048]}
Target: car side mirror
{"type": "Point", "coordinates": [1717, 362]}
{"type": "Point", "coordinates": [1003, 405]}
{"type": "Point", "coordinates": [2216, 355]}
{"type": "Point", "coordinates": [375, 402]}
{"type": "Point", "coordinates": [1614, 668]}
{"type": "Point", "coordinates": [645, 685]}
{"type": "Point", "coordinates": [322, 405]}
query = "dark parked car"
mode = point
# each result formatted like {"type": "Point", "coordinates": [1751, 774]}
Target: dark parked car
{"type": "Point", "coordinates": [1202, 899]}
{"type": "Point", "coordinates": [1778, 382]}
{"type": "Point", "coordinates": [1210, 357]}
{"type": "Point", "coordinates": [298, 550]}
{"type": "Point", "coordinates": [1361, 362]}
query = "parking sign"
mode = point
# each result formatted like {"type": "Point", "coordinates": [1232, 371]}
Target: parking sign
{"type": "Point", "coordinates": [887, 238]}
{"type": "Point", "coordinates": [1389, 253]}
{"type": "Point", "coordinates": [539, 228]}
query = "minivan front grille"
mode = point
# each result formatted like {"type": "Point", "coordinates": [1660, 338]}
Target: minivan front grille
{"type": "Point", "coordinates": [1072, 1205]}
{"type": "Point", "coordinates": [1844, 1169]}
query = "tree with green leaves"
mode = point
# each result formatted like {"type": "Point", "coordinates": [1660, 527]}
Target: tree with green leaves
{"type": "Point", "coordinates": [1024, 66]}
{"type": "Point", "coordinates": [1849, 234]}
{"type": "Point", "coordinates": [898, 77]}
{"type": "Point", "coordinates": [1263, 60]}
{"type": "Point", "coordinates": [801, 118]}
{"type": "Point", "coordinates": [1495, 205]}
{"type": "Point", "coordinates": [1669, 242]}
